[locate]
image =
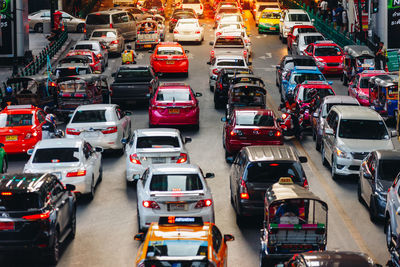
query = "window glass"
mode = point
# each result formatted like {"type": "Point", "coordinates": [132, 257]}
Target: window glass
{"type": "Point", "coordinates": [363, 129]}
{"type": "Point", "coordinates": [15, 120]}
{"type": "Point", "coordinates": [104, 34]}
{"type": "Point", "coordinates": [20, 202]}
{"type": "Point", "coordinates": [270, 15]}
{"type": "Point", "coordinates": [56, 155]}
{"type": "Point", "coordinates": [173, 95]}
{"type": "Point", "coordinates": [388, 169]}
{"type": "Point", "coordinates": [312, 39]}
{"type": "Point", "coordinates": [97, 19]}
{"type": "Point", "coordinates": [229, 41]}
{"type": "Point", "coordinates": [157, 142]}
{"type": "Point", "coordinates": [254, 118]}
{"type": "Point", "coordinates": [216, 238]}
{"type": "Point", "coordinates": [83, 116]}
{"type": "Point", "coordinates": [175, 182]}
{"type": "Point", "coordinates": [177, 248]}
{"type": "Point", "coordinates": [270, 172]}
{"type": "Point", "coordinates": [237, 62]}
{"type": "Point", "coordinates": [299, 17]}
{"type": "Point", "coordinates": [327, 51]}
{"type": "Point", "coordinates": [170, 51]}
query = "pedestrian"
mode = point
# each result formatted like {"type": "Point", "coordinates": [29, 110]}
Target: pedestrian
{"type": "Point", "coordinates": [323, 6]}
{"type": "Point", "coordinates": [380, 57]}
{"type": "Point", "coordinates": [338, 14]}
{"type": "Point", "coordinates": [334, 17]}
{"type": "Point", "coordinates": [344, 21]}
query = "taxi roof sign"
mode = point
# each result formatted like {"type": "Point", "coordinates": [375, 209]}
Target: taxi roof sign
{"type": "Point", "coordinates": [285, 180]}
{"type": "Point", "coordinates": [19, 106]}
{"type": "Point", "coordinates": [174, 220]}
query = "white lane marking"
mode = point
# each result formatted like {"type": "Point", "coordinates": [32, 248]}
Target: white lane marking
{"type": "Point", "coordinates": [267, 55]}
{"type": "Point", "coordinates": [140, 56]}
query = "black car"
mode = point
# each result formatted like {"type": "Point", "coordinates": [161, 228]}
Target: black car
{"type": "Point", "coordinates": [180, 15]}
{"type": "Point", "coordinates": [377, 173]}
{"type": "Point", "coordinates": [255, 169]}
{"type": "Point", "coordinates": [37, 213]}
{"type": "Point", "coordinates": [288, 63]}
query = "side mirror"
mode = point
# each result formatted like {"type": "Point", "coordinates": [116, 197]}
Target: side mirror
{"type": "Point", "coordinates": [187, 139]}
{"type": "Point", "coordinates": [223, 119]}
{"type": "Point", "coordinates": [209, 175]}
{"type": "Point", "coordinates": [187, 51]}
{"type": "Point", "coordinates": [330, 83]}
{"type": "Point", "coordinates": [230, 160]}
{"type": "Point", "coordinates": [211, 43]}
{"type": "Point", "coordinates": [128, 113]}
{"type": "Point", "coordinates": [99, 149]}
{"type": "Point", "coordinates": [328, 131]}
{"type": "Point", "coordinates": [367, 175]}
{"type": "Point", "coordinates": [29, 152]}
{"type": "Point", "coordinates": [124, 141]}
{"type": "Point", "coordinates": [208, 63]}
{"type": "Point", "coordinates": [1, 145]}
{"type": "Point", "coordinates": [393, 133]}
{"type": "Point", "coordinates": [199, 94]}
{"type": "Point", "coordinates": [228, 238]}
{"type": "Point", "coordinates": [277, 67]}
{"type": "Point", "coordinates": [70, 187]}
{"type": "Point", "coordinates": [139, 237]}
{"type": "Point", "coordinates": [315, 114]}
{"type": "Point", "coordinates": [303, 159]}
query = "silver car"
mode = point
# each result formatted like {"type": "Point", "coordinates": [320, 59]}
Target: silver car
{"type": "Point", "coordinates": [97, 48]}
{"type": "Point", "coordinates": [349, 134]}
{"type": "Point", "coordinates": [173, 190]}
{"type": "Point", "coordinates": [154, 146]}
{"type": "Point", "coordinates": [111, 38]}
{"type": "Point", "coordinates": [72, 24]}
{"type": "Point", "coordinates": [224, 61]}
{"type": "Point", "coordinates": [392, 212]}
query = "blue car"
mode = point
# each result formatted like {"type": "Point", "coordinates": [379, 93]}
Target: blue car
{"type": "Point", "coordinates": [299, 75]}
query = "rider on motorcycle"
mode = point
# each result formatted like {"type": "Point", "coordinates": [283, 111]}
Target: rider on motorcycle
{"type": "Point", "coordinates": [128, 56]}
{"type": "Point", "coordinates": [49, 127]}
{"type": "Point", "coordinates": [9, 98]}
{"type": "Point", "coordinates": [315, 100]}
{"type": "Point", "coordinates": [291, 106]}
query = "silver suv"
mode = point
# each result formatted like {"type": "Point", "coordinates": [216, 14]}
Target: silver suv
{"type": "Point", "coordinates": [349, 134]}
{"type": "Point", "coordinates": [392, 212]}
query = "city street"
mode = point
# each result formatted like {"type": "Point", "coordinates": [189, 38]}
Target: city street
{"type": "Point", "coordinates": [106, 225]}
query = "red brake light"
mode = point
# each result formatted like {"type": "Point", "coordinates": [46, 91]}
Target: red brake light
{"type": "Point", "coordinates": [6, 193]}
{"type": "Point", "coordinates": [111, 26]}
{"type": "Point", "coordinates": [176, 32]}
{"type": "Point", "coordinates": [218, 33]}
{"type": "Point", "coordinates": [203, 203]}
{"type": "Point", "coordinates": [245, 53]}
{"type": "Point", "coordinates": [182, 158]}
{"type": "Point", "coordinates": [215, 71]}
{"type": "Point", "coordinates": [77, 173]}
{"type": "Point", "coordinates": [274, 164]}
{"type": "Point", "coordinates": [174, 20]}
{"type": "Point", "coordinates": [201, 6]}
{"type": "Point", "coordinates": [278, 133]}
{"type": "Point", "coordinates": [150, 204]}
{"type": "Point", "coordinates": [134, 159]}
{"type": "Point", "coordinates": [99, 56]}
{"type": "Point", "coordinates": [72, 131]}
{"type": "Point", "coordinates": [212, 53]}
{"type": "Point", "coordinates": [244, 195]}
{"type": "Point", "coordinates": [40, 216]}
{"type": "Point", "coordinates": [305, 183]}
{"type": "Point", "coordinates": [110, 130]}
{"type": "Point", "coordinates": [243, 190]}
{"type": "Point", "coordinates": [284, 116]}
{"type": "Point", "coordinates": [197, 32]}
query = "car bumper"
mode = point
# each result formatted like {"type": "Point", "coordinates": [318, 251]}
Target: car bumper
{"type": "Point", "coordinates": [268, 28]}
{"type": "Point", "coordinates": [251, 207]}
{"type": "Point", "coordinates": [17, 147]}
{"type": "Point", "coordinates": [129, 100]}
{"type": "Point", "coordinates": [41, 242]}
{"type": "Point", "coordinates": [109, 141]}
{"type": "Point", "coordinates": [331, 70]}
{"type": "Point", "coordinates": [82, 184]}
{"type": "Point", "coordinates": [234, 146]}
{"type": "Point", "coordinates": [347, 166]}
{"type": "Point", "coordinates": [191, 118]}
{"type": "Point", "coordinates": [187, 37]}
{"type": "Point", "coordinates": [179, 66]}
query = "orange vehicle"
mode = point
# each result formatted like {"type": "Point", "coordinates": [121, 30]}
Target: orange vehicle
{"type": "Point", "coordinates": [182, 241]}
{"type": "Point", "coordinates": [170, 57]}
{"type": "Point", "coordinates": [21, 127]}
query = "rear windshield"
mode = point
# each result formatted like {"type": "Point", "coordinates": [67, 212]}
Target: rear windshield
{"type": "Point", "coordinates": [302, 77]}
{"type": "Point", "coordinates": [184, 15]}
{"type": "Point", "coordinates": [307, 62]}
{"type": "Point", "coordinates": [173, 95]}
{"type": "Point", "coordinates": [228, 10]}
{"type": "Point", "coordinates": [94, 19]}
{"type": "Point", "coordinates": [73, 71]}
{"type": "Point", "coordinates": [83, 46]}
{"type": "Point", "coordinates": [175, 182]}
{"type": "Point", "coordinates": [271, 15]}
{"type": "Point", "coordinates": [14, 120]}
{"type": "Point", "coordinates": [229, 41]}
{"type": "Point", "coordinates": [321, 93]}
{"type": "Point", "coordinates": [237, 62]}
{"type": "Point", "coordinates": [104, 34]}
{"type": "Point", "coordinates": [327, 51]}
{"type": "Point", "coordinates": [170, 51]}
{"type": "Point", "coordinates": [306, 30]}
{"type": "Point", "coordinates": [177, 248]}
{"type": "Point", "coordinates": [75, 60]}
{"type": "Point", "coordinates": [231, 18]}
{"type": "Point", "coordinates": [389, 169]}
{"type": "Point", "coordinates": [254, 118]}
{"type": "Point", "coordinates": [270, 172]}
{"type": "Point", "coordinates": [312, 39]}
{"type": "Point", "coordinates": [299, 17]}
{"type": "Point", "coordinates": [82, 116]}
{"type": "Point", "coordinates": [72, 86]}
{"type": "Point", "coordinates": [157, 142]}
{"type": "Point", "coordinates": [20, 202]}
{"type": "Point", "coordinates": [363, 129]}
{"type": "Point", "coordinates": [134, 75]}
{"type": "Point", "coordinates": [56, 155]}
{"type": "Point", "coordinates": [230, 26]}
{"type": "Point", "coordinates": [191, 2]}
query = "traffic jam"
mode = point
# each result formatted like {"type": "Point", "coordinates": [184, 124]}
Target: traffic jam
{"type": "Point", "coordinates": [132, 66]}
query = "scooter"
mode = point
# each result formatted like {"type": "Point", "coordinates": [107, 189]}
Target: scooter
{"type": "Point", "coordinates": [287, 124]}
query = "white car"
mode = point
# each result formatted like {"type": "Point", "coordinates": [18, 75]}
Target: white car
{"type": "Point", "coordinates": [234, 28]}
{"type": "Point", "coordinates": [197, 6]}
{"type": "Point", "coordinates": [98, 49]}
{"type": "Point", "coordinates": [303, 40]}
{"type": "Point", "coordinates": [103, 125]}
{"type": "Point", "coordinates": [73, 161]}
{"type": "Point", "coordinates": [232, 18]}
{"type": "Point", "coordinates": [173, 190]}
{"type": "Point", "coordinates": [188, 30]}
{"type": "Point", "coordinates": [290, 18]}
{"type": "Point", "coordinates": [225, 61]}
{"type": "Point", "coordinates": [154, 146]}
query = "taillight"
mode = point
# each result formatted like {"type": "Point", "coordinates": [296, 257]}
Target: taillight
{"type": "Point", "coordinates": [77, 173]}
{"type": "Point", "coordinates": [150, 204]}
{"type": "Point", "coordinates": [236, 132]}
{"type": "Point", "coordinates": [284, 116]}
{"type": "Point", "coordinates": [215, 71]}
{"type": "Point", "coordinates": [305, 183]}
{"type": "Point", "coordinates": [212, 53]}
{"type": "Point", "coordinates": [115, 42]}
{"type": "Point", "coordinates": [201, 6]}
{"type": "Point", "coordinates": [99, 56]}
{"type": "Point", "coordinates": [176, 32]}
{"type": "Point", "coordinates": [243, 190]}
{"type": "Point", "coordinates": [220, 87]}
{"type": "Point", "coordinates": [197, 32]}
{"type": "Point", "coordinates": [134, 159]}
{"type": "Point", "coordinates": [203, 203]}
{"type": "Point", "coordinates": [35, 217]}
{"type": "Point", "coordinates": [72, 131]}
{"type": "Point", "coordinates": [182, 158]}
{"type": "Point", "coordinates": [278, 133]}
{"type": "Point", "coordinates": [218, 17]}
{"type": "Point", "coordinates": [245, 53]}
{"type": "Point", "coordinates": [174, 20]}
{"type": "Point", "coordinates": [84, 29]}
{"type": "Point", "coordinates": [110, 130]}
{"type": "Point", "coordinates": [218, 33]}
{"type": "Point", "coordinates": [247, 41]}
{"type": "Point", "coordinates": [111, 26]}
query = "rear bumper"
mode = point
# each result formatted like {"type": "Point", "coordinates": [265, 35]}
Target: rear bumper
{"type": "Point", "coordinates": [41, 242]}
{"type": "Point", "coordinates": [251, 207]}
{"type": "Point", "coordinates": [191, 118]}
{"type": "Point", "coordinates": [110, 141]}
{"type": "Point", "coordinates": [180, 66]}
{"type": "Point", "coordinates": [234, 146]}
{"type": "Point", "coordinates": [187, 37]}
{"type": "Point", "coordinates": [19, 146]}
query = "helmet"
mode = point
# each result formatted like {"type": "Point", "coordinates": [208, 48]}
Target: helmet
{"type": "Point", "coordinates": [9, 90]}
{"type": "Point", "coordinates": [129, 47]}
{"type": "Point", "coordinates": [290, 97]}
{"type": "Point", "coordinates": [51, 118]}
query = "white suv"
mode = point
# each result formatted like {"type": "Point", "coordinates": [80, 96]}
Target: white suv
{"type": "Point", "coordinates": [291, 17]}
{"type": "Point", "coordinates": [195, 4]}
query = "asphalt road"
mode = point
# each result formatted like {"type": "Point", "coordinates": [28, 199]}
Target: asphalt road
{"type": "Point", "coordinates": [106, 226]}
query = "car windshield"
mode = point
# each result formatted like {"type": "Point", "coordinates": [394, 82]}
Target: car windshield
{"type": "Point", "coordinates": [388, 169]}
{"type": "Point", "coordinates": [229, 41]}
{"type": "Point", "coordinates": [83, 116]}
{"type": "Point", "coordinates": [169, 51]}
{"type": "Point", "coordinates": [271, 15]}
{"type": "Point", "coordinates": [20, 202]}
{"type": "Point", "coordinates": [254, 118]}
{"type": "Point", "coordinates": [177, 248]}
{"type": "Point", "coordinates": [74, 60]}
{"type": "Point", "coordinates": [327, 51]}
{"type": "Point", "coordinates": [173, 95]}
{"type": "Point", "coordinates": [299, 17]}
{"type": "Point", "coordinates": [14, 120]}
{"type": "Point", "coordinates": [157, 142]}
{"type": "Point", "coordinates": [236, 62]}
{"type": "Point", "coordinates": [104, 34]}
{"type": "Point", "coordinates": [133, 75]}
{"type": "Point", "coordinates": [368, 61]}
{"type": "Point", "coordinates": [56, 155]}
{"type": "Point", "coordinates": [72, 86]}
{"type": "Point", "coordinates": [363, 129]}
{"type": "Point", "coordinates": [305, 62]}
{"type": "Point", "coordinates": [247, 96]}
{"type": "Point", "coordinates": [97, 19]}
{"type": "Point", "coordinates": [230, 18]}
{"type": "Point", "coordinates": [72, 71]}
{"type": "Point", "coordinates": [270, 172]}
{"type": "Point", "coordinates": [175, 182]}
{"type": "Point", "coordinates": [302, 77]}
{"type": "Point", "coordinates": [321, 93]}
{"type": "Point", "coordinates": [312, 39]}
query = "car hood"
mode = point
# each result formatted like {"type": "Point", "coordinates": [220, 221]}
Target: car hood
{"type": "Point", "coordinates": [269, 21]}
{"type": "Point", "coordinates": [368, 145]}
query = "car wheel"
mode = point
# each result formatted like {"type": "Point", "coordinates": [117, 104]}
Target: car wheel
{"type": "Point", "coordinates": [100, 175]}
{"type": "Point", "coordinates": [324, 161]}
{"type": "Point", "coordinates": [317, 143]}
{"type": "Point", "coordinates": [359, 196]}
{"type": "Point", "coordinates": [372, 210]}
{"type": "Point", "coordinates": [80, 28]}
{"type": "Point", "coordinates": [211, 88]}
{"type": "Point", "coordinates": [73, 224]}
{"type": "Point", "coordinates": [388, 230]}
{"type": "Point", "coordinates": [92, 189]}
{"type": "Point", "coordinates": [54, 253]}
{"type": "Point", "coordinates": [140, 230]}
{"type": "Point", "coordinates": [4, 166]}
{"type": "Point", "coordinates": [333, 170]}
{"type": "Point", "coordinates": [227, 154]}
{"type": "Point", "coordinates": [345, 82]}
{"type": "Point", "coordinates": [39, 28]}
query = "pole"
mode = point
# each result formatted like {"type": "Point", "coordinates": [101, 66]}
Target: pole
{"type": "Point", "coordinates": [52, 10]}
{"type": "Point", "coordinates": [15, 46]}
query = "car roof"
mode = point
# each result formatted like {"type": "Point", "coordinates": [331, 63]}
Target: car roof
{"type": "Point", "coordinates": [309, 34]}
{"type": "Point", "coordinates": [271, 153]}
{"type": "Point", "coordinates": [228, 57]}
{"type": "Point", "coordinates": [267, 112]}
{"type": "Point", "coordinates": [357, 113]}
{"type": "Point", "coordinates": [174, 168]}
{"type": "Point", "coordinates": [96, 106]}
{"type": "Point", "coordinates": [340, 99]}
{"type": "Point", "coordinates": [106, 12]}
{"type": "Point", "coordinates": [189, 20]}
{"type": "Point", "coordinates": [337, 258]}
{"type": "Point", "coordinates": [59, 142]}
{"type": "Point", "coordinates": [157, 132]}
{"type": "Point", "coordinates": [388, 154]}
{"type": "Point", "coordinates": [295, 10]}
{"type": "Point", "coordinates": [27, 182]}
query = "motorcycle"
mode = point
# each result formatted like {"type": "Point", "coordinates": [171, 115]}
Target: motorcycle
{"type": "Point", "coordinates": [288, 127]}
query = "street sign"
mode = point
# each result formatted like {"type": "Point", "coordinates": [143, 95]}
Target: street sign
{"type": "Point", "coordinates": [393, 60]}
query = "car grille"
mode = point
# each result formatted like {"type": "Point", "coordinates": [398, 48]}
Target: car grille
{"type": "Point", "coordinates": [332, 64]}
{"type": "Point", "coordinates": [354, 168]}
{"type": "Point", "coordinates": [359, 155]}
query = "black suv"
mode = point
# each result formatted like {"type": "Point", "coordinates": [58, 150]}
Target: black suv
{"type": "Point", "coordinates": [36, 213]}
{"type": "Point", "coordinates": [255, 169]}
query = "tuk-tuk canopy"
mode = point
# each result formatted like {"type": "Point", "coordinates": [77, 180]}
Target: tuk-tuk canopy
{"type": "Point", "coordinates": [85, 77]}
{"type": "Point", "coordinates": [358, 51]}
{"type": "Point", "coordinates": [247, 87]}
{"type": "Point", "coordinates": [35, 78]}
{"type": "Point", "coordinates": [247, 78]}
{"type": "Point", "coordinates": [385, 80]}
{"type": "Point", "coordinates": [78, 83]}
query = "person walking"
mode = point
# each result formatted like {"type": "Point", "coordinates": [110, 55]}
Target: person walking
{"type": "Point", "coordinates": [345, 21]}
{"type": "Point", "coordinates": [323, 6]}
{"type": "Point", "coordinates": [338, 15]}
{"type": "Point", "coordinates": [380, 57]}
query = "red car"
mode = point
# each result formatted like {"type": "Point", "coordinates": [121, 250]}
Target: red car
{"type": "Point", "coordinates": [301, 92]}
{"type": "Point", "coordinates": [250, 127]}
{"type": "Point", "coordinates": [327, 55]}
{"type": "Point", "coordinates": [294, 32]}
{"type": "Point", "coordinates": [174, 104]}
{"type": "Point", "coordinates": [169, 57]}
{"type": "Point", "coordinates": [21, 127]}
{"type": "Point", "coordinates": [94, 61]}
{"type": "Point", "coordinates": [358, 88]}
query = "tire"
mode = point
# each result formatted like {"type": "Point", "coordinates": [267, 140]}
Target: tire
{"type": "Point", "coordinates": [324, 161]}
{"type": "Point", "coordinates": [313, 135]}
{"type": "Point", "coordinates": [73, 224]}
{"type": "Point", "coordinates": [333, 167]}
{"type": "Point", "coordinates": [359, 196]}
{"type": "Point", "coordinates": [345, 81]}
{"type": "Point", "coordinates": [92, 190]}
{"type": "Point", "coordinates": [54, 250]}
{"type": "Point", "coordinates": [80, 28]}
{"type": "Point", "coordinates": [227, 154]}
{"type": "Point", "coordinates": [317, 143]}
{"type": "Point", "coordinates": [388, 231]}
{"type": "Point", "coordinates": [140, 230]}
{"type": "Point", "coordinates": [4, 166]}
{"type": "Point", "coordinates": [239, 220]}
{"type": "Point", "coordinates": [372, 211]}
{"type": "Point", "coordinates": [38, 28]}
{"type": "Point", "coordinates": [100, 175]}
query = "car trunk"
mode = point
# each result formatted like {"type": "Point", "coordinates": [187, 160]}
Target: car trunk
{"type": "Point", "coordinates": [150, 156]}
{"type": "Point", "coordinates": [13, 135]}
{"type": "Point", "coordinates": [58, 169]}
{"type": "Point", "coordinates": [176, 109]}
{"type": "Point", "coordinates": [91, 130]}
{"type": "Point", "coordinates": [254, 133]}
{"type": "Point", "coordinates": [178, 202]}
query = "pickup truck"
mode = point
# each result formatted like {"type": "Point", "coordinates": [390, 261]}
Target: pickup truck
{"type": "Point", "coordinates": [232, 44]}
{"type": "Point", "coordinates": [133, 84]}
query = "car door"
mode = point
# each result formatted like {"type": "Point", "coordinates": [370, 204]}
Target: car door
{"type": "Point", "coordinates": [366, 184]}
{"type": "Point", "coordinates": [122, 122]}
{"type": "Point", "coordinates": [41, 120]}
{"type": "Point", "coordinates": [218, 252]}
{"type": "Point", "coordinates": [327, 139]}
{"type": "Point", "coordinates": [59, 200]}
{"type": "Point", "coordinates": [132, 25]}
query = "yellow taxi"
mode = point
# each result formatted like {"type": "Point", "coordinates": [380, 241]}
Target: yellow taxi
{"type": "Point", "coordinates": [269, 20]}
{"type": "Point", "coordinates": [182, 241]}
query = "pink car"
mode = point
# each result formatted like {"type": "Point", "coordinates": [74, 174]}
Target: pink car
{"type": "Point", "coordinates": [174, 104]}
{"type": "Point", "coordinates": [358, 88]}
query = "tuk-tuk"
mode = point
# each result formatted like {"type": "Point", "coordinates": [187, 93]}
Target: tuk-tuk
{"type": "Point", "coordinates": [295, 221]}
{"type": "Point", "coordinates": [37, 90]}
{"type": "Point", "coordinates": [245, 95]}
{"type": "Point", "coordinates": [383, 94]}
{"type": "Point", "coordinates": [246, 78]}
{"type": "Point", "coordinates": [161, 23]}
{"type": "Point", "coordinates": [81, 90]}
{"type": "Point", "coordinates": [148, 34]}
{"type": "Point", "coordinates": [357, 58]}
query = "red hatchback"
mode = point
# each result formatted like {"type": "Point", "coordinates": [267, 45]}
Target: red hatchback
{"type": "Point", "coordinates": [169, 57]}
{"type": "Point", "coordinates": [250, 127]}
{"type": "Point", "coordinates": [327, 55]}
{"type": "Point", "coordinates": [94, 61]}
{"type": "Point", "coordinates": [174, 104]}
{"type": "Point", "coordinates": [21, 127]}
{"type": "Point", "coordinates": [358, 88]}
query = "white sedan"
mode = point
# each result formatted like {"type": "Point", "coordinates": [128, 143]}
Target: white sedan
{"type": "Point", "coordinates": [103, 125]}
{"type": "Point", "coordinates": [173, 190]}
{"type": "Point", "coordinates": [188, 30]}
{"type": "Point", "coordinates": [73, 161]}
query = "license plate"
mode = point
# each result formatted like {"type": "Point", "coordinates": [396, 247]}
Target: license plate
{"type": "Point", "coordinates": [12, 138]}
{"type": "Point", "coordinates": [91, 134]}
{"type": "Point", "coordinates": [7, 226]}
{"type": "Point", "coordinates": [158, 160]}
{"type": "Point", "coordinates": [187, 32]}
{"type": "Point", "coordinates": [333, 69]}
{"type": "Point", "coordinates": [147, 46]}
{"type": "Point", "coordinates": [174, 111]}
{"type": "Point", "coordinates": [170, 62]}
{"type": "Point", "coordinates": [177, 207]}
{"type": "Point", "coordinates": [272, 28]}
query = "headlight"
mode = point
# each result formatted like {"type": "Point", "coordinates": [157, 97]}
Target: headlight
{"type": "Point", "coordinates": [321, 64]}
{"type": "Point", "coordinates": [341, 153]}
{"type": "Point", "coordinates": [363, 97]}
